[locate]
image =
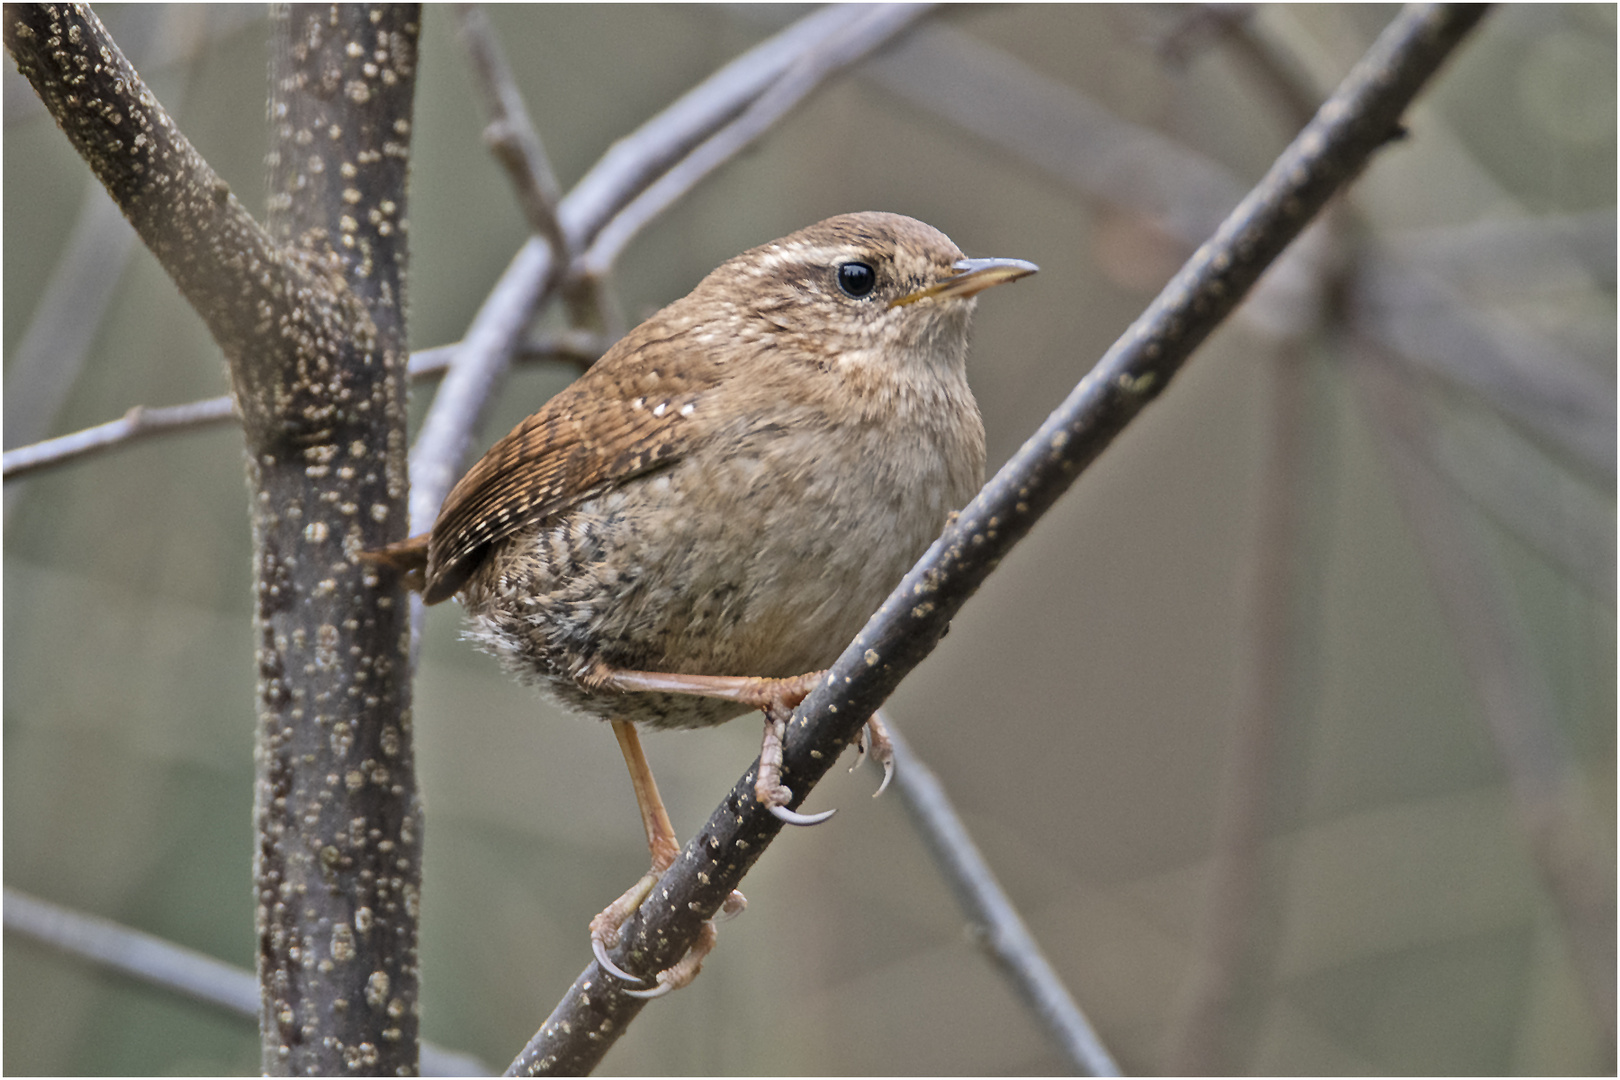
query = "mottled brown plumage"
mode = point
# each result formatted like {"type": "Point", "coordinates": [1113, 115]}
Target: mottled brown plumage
{"type": "Point", "coordinates": [732, 489]}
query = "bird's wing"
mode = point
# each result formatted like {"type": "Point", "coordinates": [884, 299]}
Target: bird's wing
{"type": "Point", "coordinates": [628, 415]}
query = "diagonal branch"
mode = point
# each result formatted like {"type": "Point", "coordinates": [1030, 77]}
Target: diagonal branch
{"type": "Point", "coordinates": [140, 422]}
{"type": "Point", "coordinates": [227, 267]}
{"type": "Point", "coordinates": [995, 921]}
{"type": "Point", "coordinates": [309, 312]}
{"type": "Point", "coordinates": [851, 46]}
{"type": "Point", "coordinates": [1523, 374]}
{"type": "Point", "coordinates": [1361, 116]}
{"type": "Point", "coordinates": [510, 134]}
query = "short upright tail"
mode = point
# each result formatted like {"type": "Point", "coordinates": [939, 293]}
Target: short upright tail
{"type": "Point", "coordinates": [409, 557]}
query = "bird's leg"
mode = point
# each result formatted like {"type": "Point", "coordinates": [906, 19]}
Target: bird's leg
{"type": "Point", "coordinates": [661, 844]}
{"type": "Point", "coordinates": [777, 697]}
{"type": "Point", "coordinates": [664, 848]}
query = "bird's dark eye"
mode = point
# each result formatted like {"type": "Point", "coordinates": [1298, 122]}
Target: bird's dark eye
{"type": "Point", "coordinates": [856, 279]}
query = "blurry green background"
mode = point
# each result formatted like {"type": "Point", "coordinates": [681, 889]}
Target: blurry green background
{"type": "Point", "coordinates": [1081, 710]}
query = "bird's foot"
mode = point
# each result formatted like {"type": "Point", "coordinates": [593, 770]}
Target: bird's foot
{"type": "Point", "coordinates": [769, 790]}
{"type": "Point", "coordinates": [873, 738]}
{"type": "Point", "coordinates": [606, 926]}
{"type": "Point", "coordinates": [687, 967]}
{"type": "Point", "coordinates": [606, 933]}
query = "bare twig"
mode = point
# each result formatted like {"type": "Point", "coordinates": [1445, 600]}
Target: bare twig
{"type": "Point", "coordinates": [576, 347]}
{"type": "Point", "coordinates": [144, 956]}
{"type": "Point", "coordinates": [1360, 117]}
{"type": "Point", "coordinates": [516, 145]}
{"type": "Point", "coordinates": [173, 967]}
{"type": "Point", "coordinates": [995, 921]}
{"type": "Point", "coordinates": [510, 133]}
{"type": "Point", "coordinates": [140, 422]}
{"type": "Point", "coordinates": [52, 350]}
{"type": "Point", "coordinates": [880, 26]}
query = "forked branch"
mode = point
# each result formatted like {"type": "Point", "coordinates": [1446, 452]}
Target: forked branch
{"type": "Point", "coordinates": [309, 313]}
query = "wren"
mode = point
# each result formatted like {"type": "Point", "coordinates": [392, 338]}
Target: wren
{"type": "Point", "coordinates": [709, 515]}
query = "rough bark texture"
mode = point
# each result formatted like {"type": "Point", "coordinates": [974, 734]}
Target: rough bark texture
{"type": "Point", "coordinates": [309, 314]}
{"type": "Point", "coordinates": [338, 871]}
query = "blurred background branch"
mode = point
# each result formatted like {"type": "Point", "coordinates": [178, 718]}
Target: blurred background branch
{"type": "Point", "coordinates": [994, 922]}
{"type": "Point", "coordinates": [156, 962]}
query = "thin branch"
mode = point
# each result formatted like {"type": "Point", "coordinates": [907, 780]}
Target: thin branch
{"type": "Point", "coordinates": [47, 360]}
{"type": "Point", "coordinates": [640, 157]}
{"type": "Point", "coordinates": [1360, 117]}
{"type": "Point", "coordinates": [880, 26]}
{"type": "Point", "coordinates": [996, 924]}
{"type": "Point", "coordinates": [140, 422]}
{"type": "Point", "coordinates": [162, 963]}
{"type": "Point", "coordinates": [516, 145]}
{"type": "Point", "coordinates": [510, 134]}
{"type": "Point", "coordinates": [577, 347]}
{"type": "Point", "coordinates": [133, 952]}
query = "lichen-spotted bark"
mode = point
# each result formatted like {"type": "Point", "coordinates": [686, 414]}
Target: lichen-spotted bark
{"type": "Point", "coordinates": [338, 868]}
{"type": "Point", "coordinates": [309, 312]}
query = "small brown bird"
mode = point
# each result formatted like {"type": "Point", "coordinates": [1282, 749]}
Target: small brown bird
{"type": "Point", "coordinates": [710, 514]}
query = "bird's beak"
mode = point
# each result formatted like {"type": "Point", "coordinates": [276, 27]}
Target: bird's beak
{"type": "Point", "coordinates": [973, 276]}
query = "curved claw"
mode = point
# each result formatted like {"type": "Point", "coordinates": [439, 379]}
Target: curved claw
{"type": "Point", "coordinates": [647, 995]}
{"type": "Point", "coordinates": [600, 951]}
{"type": "Point", "coordinates": [782, 813]}
{"type": "Point", "coordinates": [888, 774]}
{"type": "Point", "coordinates": [733, 906]}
